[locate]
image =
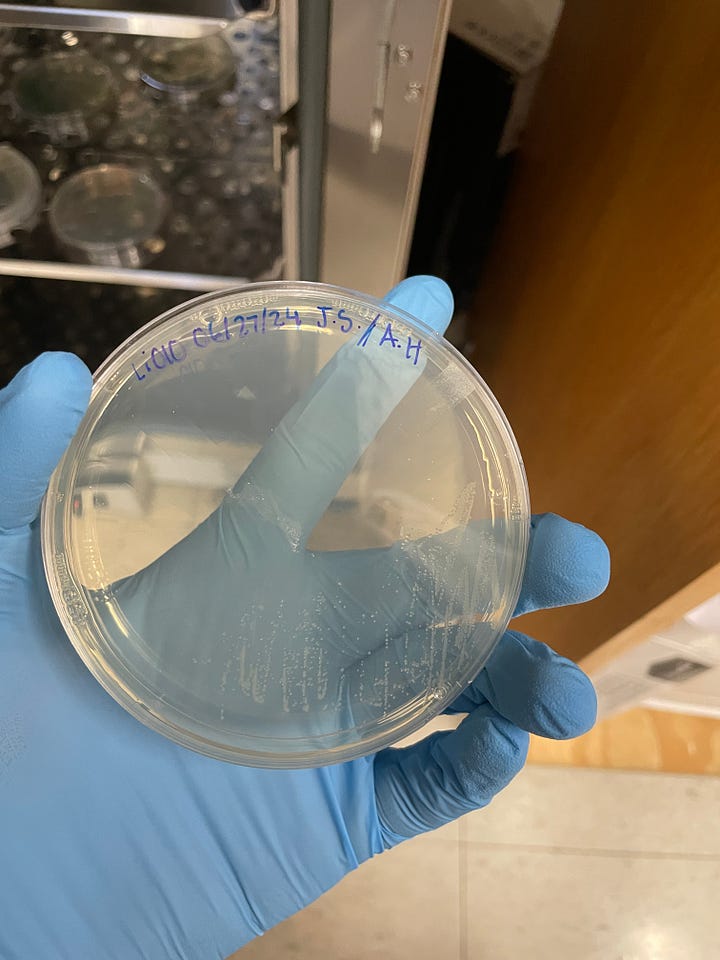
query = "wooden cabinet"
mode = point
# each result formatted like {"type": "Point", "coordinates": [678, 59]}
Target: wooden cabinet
{"type": "Point", "coordinates": [597, 317]}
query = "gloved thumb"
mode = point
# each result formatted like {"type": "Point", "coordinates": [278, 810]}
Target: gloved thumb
{"type": "Point", "coordinates": [40, 410]}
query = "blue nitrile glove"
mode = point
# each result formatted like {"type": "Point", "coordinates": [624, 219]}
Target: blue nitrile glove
{"type": "Point", "coordinates": [117, 844]}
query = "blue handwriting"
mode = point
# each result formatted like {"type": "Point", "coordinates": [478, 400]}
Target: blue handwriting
{"type": "Point", "coordinates": [236, 327]}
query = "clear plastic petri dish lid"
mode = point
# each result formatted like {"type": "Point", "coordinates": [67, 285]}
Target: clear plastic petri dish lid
{"type": "Point", "coordinates": [62, 87]}
{"type": "Point", "coordinates": [187, 66]}
{"type": "Point", "coordinates": [97, 212]}
{"type": "Point", "coordinates": [291, 527]}
{"type": "Point", "coordinates": [20, 193]}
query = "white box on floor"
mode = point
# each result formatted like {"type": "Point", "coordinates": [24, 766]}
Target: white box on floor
{"type": "Point", "coordinates": [677, 670]}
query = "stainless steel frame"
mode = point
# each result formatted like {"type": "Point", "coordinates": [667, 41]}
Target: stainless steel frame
{"type": "Point", "coordinates": [197, 19]}
{"type": "Point", "coordinates": [164, 279]}
{"type": "Point", "coordinates": [385, 59]}
{"type": "Point", "coordinates": [287, 161]}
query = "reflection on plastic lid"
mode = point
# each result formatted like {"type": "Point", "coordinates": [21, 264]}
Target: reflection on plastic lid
{"type": "Point", "coordinates": [291, 527]}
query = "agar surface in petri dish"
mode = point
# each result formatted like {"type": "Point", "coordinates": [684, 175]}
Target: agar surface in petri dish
{"type": "Point", "coordinates": [291, 527]}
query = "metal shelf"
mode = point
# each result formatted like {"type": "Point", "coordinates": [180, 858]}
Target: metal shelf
{"type": "Point", "coordinates": [198, 19]}
{"type": "Point", "coordinates": [165, 279]}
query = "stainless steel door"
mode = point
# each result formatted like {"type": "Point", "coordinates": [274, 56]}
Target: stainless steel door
{"type": "Point", "coordinates": [384, 64]}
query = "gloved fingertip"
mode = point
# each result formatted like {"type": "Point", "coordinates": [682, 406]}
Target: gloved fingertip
{"type": "Point", "coordinates": [567, 563]}
{"type": "Point", "coordinates": [51, 375]}
{"type": "Point", "coordinates": [594, 563]}
{"type": "Point", "coordinates": [535, 688]}
{"type": "Point", "coordinates": [562, 703]}
{"type": "Point", "coordinates": [573, 709]}
{"type": "Point", "coordinates": [425, 297]}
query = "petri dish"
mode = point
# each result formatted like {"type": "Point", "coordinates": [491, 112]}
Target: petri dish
{"type": "Point", "coordinates": [108, 215]}
{"type": "Point", "coordinates": [20, 193]}
{"type": "Point", "coordinates": [187, 68]}
{"type": "Point", "coordinates": [291, 527]}
{"type": "Point", "coordinates": [61, 94]}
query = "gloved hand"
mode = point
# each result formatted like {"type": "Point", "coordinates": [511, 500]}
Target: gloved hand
{"type": "Point", "coordinates": [116, 843]}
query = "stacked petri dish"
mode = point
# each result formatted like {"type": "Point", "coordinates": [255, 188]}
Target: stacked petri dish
{"type": "Point", "coordinates": [109, 215]}
{"type": "Point", "coordinates": [66, 96]}
{"type": "Point", "coordinates": [185, 71]}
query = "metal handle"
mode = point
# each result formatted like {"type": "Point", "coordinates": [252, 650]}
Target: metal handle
{"type": "Point", "coordinates": [377, 113]}
{"type": "Point", "coordinates": [211, 18]}
{"type": "Point", "coordinates": [124, 276]}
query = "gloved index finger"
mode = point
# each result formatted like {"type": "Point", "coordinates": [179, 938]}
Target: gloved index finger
{"type": "Point", "coordinates": [304, 463]}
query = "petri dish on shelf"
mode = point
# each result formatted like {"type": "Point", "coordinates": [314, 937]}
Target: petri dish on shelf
{"type": "Point", "coordinates": [20, 194]}
{"type": "Point", "coordinates": [63, 95]}
{"type": "Point", "coordinates": [291, 527]}
{"type": "Point", "coordinates": [186, 69]}
{"type": "Point", "coordinates": [108, 215]}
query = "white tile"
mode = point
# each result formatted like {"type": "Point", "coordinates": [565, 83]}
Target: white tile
{"type": "Point", "coordinates": [603, 810]}
{"type": "Point", "coordinates": [404, 903]}
{"type": "Point", "coordinates": [554, 906]}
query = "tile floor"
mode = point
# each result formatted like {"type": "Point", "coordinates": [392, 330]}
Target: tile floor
{"type": "Point", "coordinates": [567, 864]}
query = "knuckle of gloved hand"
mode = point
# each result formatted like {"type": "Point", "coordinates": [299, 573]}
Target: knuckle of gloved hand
{"type": "Point", "coordinates": [481, 758]}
